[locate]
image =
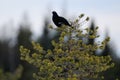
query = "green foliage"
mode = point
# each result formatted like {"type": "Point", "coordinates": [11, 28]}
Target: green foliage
{"type": "Point", "coordinates": [11, 76]}
{"type": "Point", "coordinates": [71, 59]}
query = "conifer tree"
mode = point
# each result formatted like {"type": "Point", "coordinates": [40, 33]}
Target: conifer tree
{"type": "Point", "coordinates": [24, 38]}
{"type": "Point", "coordinates": [45, 39]}
{"type": "Point", "coordinates": [69, 60]}
{"type": "Point", "coordinates": [91, 32]}
{"type": "Point", "coordinates": [112, 73]}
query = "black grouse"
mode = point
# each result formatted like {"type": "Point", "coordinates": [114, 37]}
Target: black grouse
{"type": "Point", "coordinates": [58, 20]}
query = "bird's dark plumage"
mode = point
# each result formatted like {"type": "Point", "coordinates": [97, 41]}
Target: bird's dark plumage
{"type": "Point", "coordinates": [58, 20]}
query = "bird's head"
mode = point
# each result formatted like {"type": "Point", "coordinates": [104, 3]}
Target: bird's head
{"type": "Point", "coordinates": [54, 13]}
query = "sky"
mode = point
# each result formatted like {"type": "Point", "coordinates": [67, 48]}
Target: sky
{"type": "Point", "coordinates": [105, 13]}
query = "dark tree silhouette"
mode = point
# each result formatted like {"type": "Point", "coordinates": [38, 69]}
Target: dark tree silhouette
{"type": "Point", "coordinates": [109, 49]}
{"type": "Point", "coordinates": [58, 20]}
{"type": "Point", "coordinates": [91, 32]}
{"type": "Point", "coordinates": [24, 38]}
{"type": "Point", "coordinates": [7, 54]}
{"type": "Point", "coordinates": [4, 58]}
{"type": "Point", "coordinates": [45, 39]}
{"type": "Point", "coordinates": [112, 73]}
{"type": "Point", "coordinates": [92, 27]}
{"type": "Point", "coordinates": [47, 36]}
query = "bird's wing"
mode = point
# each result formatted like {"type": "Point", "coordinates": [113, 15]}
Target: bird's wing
{"type": "Point", "coordinates": [64, 21]}
{"type": "Point", "coordinates": [60, 23]}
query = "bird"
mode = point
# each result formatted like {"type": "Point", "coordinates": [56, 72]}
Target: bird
{"type": "Point", "coordinates": [58, 20]}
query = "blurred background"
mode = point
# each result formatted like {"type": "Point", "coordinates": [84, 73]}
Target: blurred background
{"type": "Point", "coordinates": [22, 21]}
